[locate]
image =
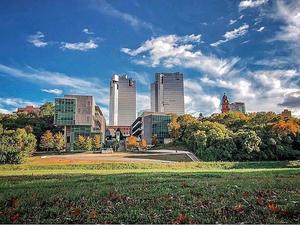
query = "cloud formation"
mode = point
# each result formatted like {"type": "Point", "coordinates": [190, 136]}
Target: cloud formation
{"type": "Point", "coordinates": [261, 29]}
{"type": "Point", "coordinates": [105, 8]}
{"type": "Point", "coordinates": [37, 40]}
{"type": "Point", "coordinates": [172, 50]}
{"type": "Point", "coordinates": [74, 85]}
{"type": "Point", "coordinates": [79, 46]}
{"type": "Point", "coordinates": [53, 91]}
{"type": "Point", "coordinates": [87, 31]}
{"type": "Point", "coordinates": [230, 35]}
{"type": "Point", "coordinates": [244, 4]}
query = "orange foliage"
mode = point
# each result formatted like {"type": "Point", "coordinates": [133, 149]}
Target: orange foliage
{"type": "Point", "coordinates": [182, 219]}
{"type": "Point", "coordinates": [273, 207]}
{"type": "Point", "coordinates": [131, 142]}
{"type": "Point", "coordinates": [289, 126]}
{"type": "Point", "coordinates": [143, 144]}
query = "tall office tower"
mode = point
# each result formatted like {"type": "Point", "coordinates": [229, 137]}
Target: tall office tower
{"type": "Point", "coordinates": [167, 93]}
{"type": "Point", "coordinates": [237, 107]}
{"type": "Point", "coordinates": [122, 105]}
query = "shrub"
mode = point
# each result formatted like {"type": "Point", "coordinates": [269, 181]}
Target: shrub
{"type": "Point", "coordinates": [16, 146]}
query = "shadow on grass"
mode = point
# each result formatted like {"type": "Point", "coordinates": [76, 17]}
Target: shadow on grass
{"type": "Point", "coordinates": [266, 164]}
{"type": "Point", "coordinates": [164, 157]}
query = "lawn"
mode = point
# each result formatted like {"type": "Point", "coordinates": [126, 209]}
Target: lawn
{"type": "Point", "coordinates": [228, 192]}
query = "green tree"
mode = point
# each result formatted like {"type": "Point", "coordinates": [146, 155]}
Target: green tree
{"type": "Point", "coordinates": [248, 143]}
{"type": "Point", "coordinates": [88, 144]}
{"type": "Point", "coordinates": [47, 141]}
{"type": "Point", "coordinates": [47, 109]}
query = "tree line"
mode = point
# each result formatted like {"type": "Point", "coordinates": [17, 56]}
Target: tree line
{"type": "Point", "coordinates": [235, 136]}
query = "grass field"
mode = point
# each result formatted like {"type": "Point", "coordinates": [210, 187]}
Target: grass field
{"type": "Point", "coordinates": [265, 192]}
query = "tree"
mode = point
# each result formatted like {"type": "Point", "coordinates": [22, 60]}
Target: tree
{"type": "Point", "coordinates": [59, 142]}
{"type": "Point", "coordinates": [174, 127]}
{"type": "Point", "coordinates": [289, 127]}
{"type": "Point", "coordinates": [97, 142]}
{"type": "Point", "coordinates": [80, 143]}
{"type": "Point", "coordinates": [47, 141]}
{"type": "Point", "coordinates": [16, 146]}
{"type": "Point", "coordinates": [143, 144]}
{"type": "Point", "coordinates": [131, 142]}
{"type": "Point", "coordinates": [154, 139]}
{"type": "Point", "coordinates": [247, 143]}
{"type": "Point", "coordinates": [88, 144]}
{"type": "Point", "coordinates": [47, 109]}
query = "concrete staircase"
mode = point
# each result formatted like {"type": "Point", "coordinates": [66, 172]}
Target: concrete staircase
{"type": "Point", "coordinates": [193, 157]}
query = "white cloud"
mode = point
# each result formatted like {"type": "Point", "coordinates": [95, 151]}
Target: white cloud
{"type": "Point", "coordinates": [53, 91]}
{"type": "Point", "coordinates": [232, 22]}
{"type": "Point", "coordinates": [289, 14]}
{"type": "Point", "coordinates": [261, 29]}
{"type": "Point", "coordinates": [37, 39]}
{"type": "Point", "coordinates": [87, 31]}
{"type": "Point", "coordinates": [74, 85]}
{"type": "Point", "coordinates": [143, 101]}
{"type": "Point", "coordinates": [240, 86]}
{"type": "Point", "coordinates": [251, 3]}
{"type": "Point", "coordinates": [197, 100]}
{"type": "Point", "coordinates": [230, 35]}
{"type": "Point", "coordinates": [79, 46]}
{"type": "Point", "coordinates": [172, 50]}
{"type": "Point", "coordinates": [5, 111]}
{"type": "Point", "coordinates": [105, 8]}
{"type": "Point", "coordinates": [141, 77]}
{"type": "Point", "coordinates": [16, 102]}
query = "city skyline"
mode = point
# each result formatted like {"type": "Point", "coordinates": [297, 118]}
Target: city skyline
{"type": "Point", "coordinates": [247, 49]}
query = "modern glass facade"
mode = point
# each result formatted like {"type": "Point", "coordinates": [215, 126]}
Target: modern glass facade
{"type": "Point", "coordinates": [167, 93]}
{"type": "Point", "coordinates": [65, 110]}
{"type": "Point", "coordinates": [77, 130]}
{"type": "Point", "coordinates": [77, 113]}
{"type": "Point", "coordinates": [160, 126]}
{"type": "Point", "coordinates": [122, 103]}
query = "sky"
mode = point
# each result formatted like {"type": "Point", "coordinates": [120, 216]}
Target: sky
{"type": "Point", "coordinates": [248, 49]}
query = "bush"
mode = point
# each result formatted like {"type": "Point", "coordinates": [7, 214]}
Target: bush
{"type": "Point", "coordinates": [16, 146]}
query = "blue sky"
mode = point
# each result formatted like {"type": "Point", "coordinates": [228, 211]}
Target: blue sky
{"type": "Point", "coordinates": [249, 49]}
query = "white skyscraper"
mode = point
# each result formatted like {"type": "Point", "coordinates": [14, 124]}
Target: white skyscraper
{"type": "Point", "coordinates": [167, 93]}
{"type": "Point", "coordinates": [122, 105]}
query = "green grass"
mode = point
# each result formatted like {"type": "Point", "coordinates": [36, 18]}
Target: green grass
{"type": "Point", "coordinates": [228, 192]}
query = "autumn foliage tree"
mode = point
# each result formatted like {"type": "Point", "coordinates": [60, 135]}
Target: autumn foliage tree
{"type": "Point", "coordinates": [47, 141]}
{"type": "Point", "coordinates": [154, 139]}
{"type": "Point", "coordinates": [131, 142]}
{"type": "Point", "coordinates": [80, 142]}
{"type": "Point", "coordinates": [59, 142]}
{"type": "Point", "coordinates": [97, 142]}
{"type": "Point", "coordinates": [174, 127]}
{"type": "Point", "coordinates": [143, 144]}
{"type": "Point", "coordinates": [288, 127]}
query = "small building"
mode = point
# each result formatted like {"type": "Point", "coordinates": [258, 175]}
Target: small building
{"type": "Point", "coordinates": [29, 109]}
{"type": "Point", "coordinates": [237, 107]}
{"type": "Point", "coordinates": [79, 116]}
{"type": "Point", "coordinates": [286, 114]}
{"type": "Point", "coordinates": [111, 130]}
{"type": "Point", "coordinates": [151, 124]}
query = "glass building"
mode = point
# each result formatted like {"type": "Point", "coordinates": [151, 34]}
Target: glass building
{"type": "Point", "coordinates": [151, 124]}
{"type": "Point", "coordinates": [122, 102]}
{"type": "Point", "coordinates": [79, 116]}
{"type": "Point", "coordinates": [167, 93]}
